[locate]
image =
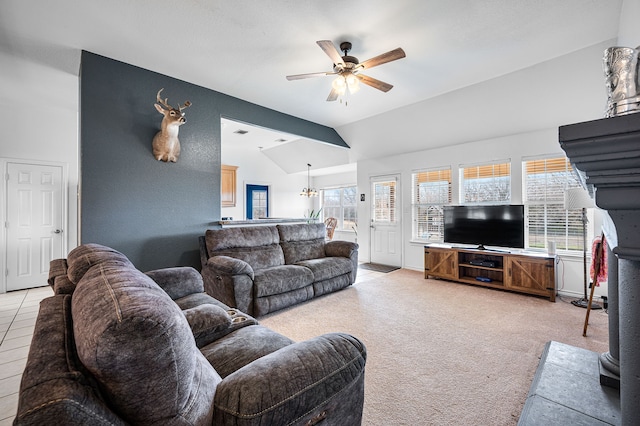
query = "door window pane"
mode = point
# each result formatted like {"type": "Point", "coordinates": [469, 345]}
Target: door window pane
{"type": "Point", "coordinates": [259, 204]}
{"type": "Point", "coordinates": [384, 202]}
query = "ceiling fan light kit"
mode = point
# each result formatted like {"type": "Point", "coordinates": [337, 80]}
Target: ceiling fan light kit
{"type": "Point", "coordinates": [348, 69]}
{"type": "Point", "coordinates": [344, 81]}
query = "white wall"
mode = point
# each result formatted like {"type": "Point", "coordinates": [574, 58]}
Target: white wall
{"type": "Point", "coordinates": [42, 126]}
{"type": "Point", "coordinates": [629, 31]}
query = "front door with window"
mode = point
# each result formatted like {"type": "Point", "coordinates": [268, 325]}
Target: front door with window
{"type": "Point", "coordinates": [257, 201]}
{"type": "Point", "coordinates": [386, 235]}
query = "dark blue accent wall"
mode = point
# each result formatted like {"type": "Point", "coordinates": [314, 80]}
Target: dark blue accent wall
{"type": "Point", "coordinates": [152, 211]}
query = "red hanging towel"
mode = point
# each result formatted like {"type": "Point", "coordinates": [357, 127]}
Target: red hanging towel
{"type": "Point", "coordinates": [602, 273]}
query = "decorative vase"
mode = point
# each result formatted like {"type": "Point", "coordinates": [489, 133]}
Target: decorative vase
{"type": "Point", "coordinates": [622, 80]}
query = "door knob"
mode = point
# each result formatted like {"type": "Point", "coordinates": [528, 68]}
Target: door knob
{"type": "Point", "coordinates": [58, 231]}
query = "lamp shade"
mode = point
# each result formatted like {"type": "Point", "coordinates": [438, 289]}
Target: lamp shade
{"type": "Point", "coordinates": [577, 198]}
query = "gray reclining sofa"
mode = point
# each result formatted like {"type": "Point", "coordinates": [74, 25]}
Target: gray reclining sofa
{"type": "Point", "coordinates": [261, 269]}
{"type": "Point", "coordinates": [115, 346]}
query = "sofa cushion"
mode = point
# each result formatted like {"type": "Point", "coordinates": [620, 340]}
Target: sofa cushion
{"type": "Point", "coordinates": [244, 236]}
{"type": "Point", "coordinates": [327, 267]}
{"type": "Point", "coordinates": [281, 279]}
{"type": "Point", "coordinates": [85, 256]}
{"type": "Point", "coordinates": [259, 257]}
{"type": "Point", "coordinates": [301, 232]}
{"type": "Point", "coordinates": [241, 348]}
{"type": "Point", "coordinates": [297, 251]}
{"type": "Point", "coordinates": [302, 241]}
{"type": "Point", "coordinates": [138, 345]}
{"type": "Point", "coordinates": [256, 245]}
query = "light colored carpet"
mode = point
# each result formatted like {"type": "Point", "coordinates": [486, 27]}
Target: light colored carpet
{"type": "Point", "coordinates": [442, 353]}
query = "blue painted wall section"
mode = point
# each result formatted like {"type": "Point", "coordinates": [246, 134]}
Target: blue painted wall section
{"type": "Point", "coordinates": [152, 211]}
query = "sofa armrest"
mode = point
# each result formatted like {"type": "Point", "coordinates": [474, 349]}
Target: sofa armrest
{"type": "Point", "coordinates": [179, 281]}
{"type": "Point", "coordinates": [340, 249]}
{"type": "Point", "coordinates": [57, 267]}
{"type": "Point", "coordinates": [230, 266]}
{"type": "Point", "coordinates": [321, 378]}
{"type": "Point", "coordinates": [344, 249]}
{"type": "Point", "coordinates": [208, 323]}
{"type": "Point", "coordinates": [230, 281]}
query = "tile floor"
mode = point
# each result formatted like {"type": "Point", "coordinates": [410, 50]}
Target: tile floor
{"type": "Point", "coordinates": [18, 311]}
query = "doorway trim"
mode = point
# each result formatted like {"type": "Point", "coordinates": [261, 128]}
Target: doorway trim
{"type": "Point", "coordinates": [4, 167]}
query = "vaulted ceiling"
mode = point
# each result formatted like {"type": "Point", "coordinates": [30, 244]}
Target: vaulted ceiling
{"type": "Point", "coordinates": [245, 48]}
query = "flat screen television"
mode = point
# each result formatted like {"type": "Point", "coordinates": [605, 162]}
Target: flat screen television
{"type": "Point", "coordinates": [484, 225]}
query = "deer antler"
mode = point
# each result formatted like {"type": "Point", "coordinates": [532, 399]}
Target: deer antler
{"type": "Point", "coordinates": [164, 103]}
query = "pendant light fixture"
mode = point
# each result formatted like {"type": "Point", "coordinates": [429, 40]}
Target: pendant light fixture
{"type": "Point", "coordinates": [308, 191]}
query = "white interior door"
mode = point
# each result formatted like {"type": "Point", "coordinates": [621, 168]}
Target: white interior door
{"type": "Point", "coordinates": [386, 235]}
{"type": "Point", "coordinates": [34, 223]}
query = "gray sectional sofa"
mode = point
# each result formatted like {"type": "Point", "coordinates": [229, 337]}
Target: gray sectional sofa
{"type": "Point", "coordinates": [115, 346]}
{"type": "Point", "coordinates": [261, 269]}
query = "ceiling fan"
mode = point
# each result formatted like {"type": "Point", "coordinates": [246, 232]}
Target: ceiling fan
{"type": "Point", "coordinates": [348, 69]}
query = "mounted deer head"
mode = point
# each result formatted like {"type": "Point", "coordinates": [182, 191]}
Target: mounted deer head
{"type": "Point", "coordinates": [166, 146]}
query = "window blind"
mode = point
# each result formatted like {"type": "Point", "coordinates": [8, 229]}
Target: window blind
{"type": "Point", "coordinates": [546, 181]}
{"type": "Point", "coordinates": [431, 190]}
{"type": "Point", "coordinates": [487, 183]}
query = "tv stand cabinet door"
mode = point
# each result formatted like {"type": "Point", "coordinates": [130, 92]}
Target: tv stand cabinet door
{"type": "Point", "coordinates": [532, 276]}
{"type": "Point", "coordinates": [441, 263]}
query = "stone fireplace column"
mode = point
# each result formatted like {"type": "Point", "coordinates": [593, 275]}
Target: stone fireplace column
{"type": "Point", "coordinates": [610, 361]}
{"type": "Point", "coordinates": [629, 338]}
{"type": "Point", "coordinates": [608, 152]}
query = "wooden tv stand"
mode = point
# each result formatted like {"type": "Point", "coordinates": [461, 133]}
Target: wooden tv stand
{"type": "Point", "coordinates": [530, 273]}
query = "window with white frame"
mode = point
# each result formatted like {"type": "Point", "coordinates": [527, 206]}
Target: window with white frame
{"type": "Point", "coordinates": [545, 183]}
{"type": "Point", "coordinates": [488, 183]}
{"type": "Point", "coordinates": [341, 204]}
{"type": "Point", "coordinates": [431, 190]}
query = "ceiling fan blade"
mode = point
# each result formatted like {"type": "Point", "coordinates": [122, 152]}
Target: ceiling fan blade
{"type": "Point", "coordinates": [375, 83]}
{"type": "Point", "coordinates": [309, 75]}
{"type": "Point", "coordinates": [331, 51]}
{"type": "Point", "coordinates": [333, 95]}
{"type": "Point", "coordinates": [391, 55]}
